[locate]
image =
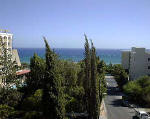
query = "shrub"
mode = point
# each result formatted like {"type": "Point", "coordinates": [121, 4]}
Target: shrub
{"type": "Point", "coordinates": [10, 97]}
{"type": "Point", "coordinates": [6, 111]}
{"type": "Point", "coordinates": [138, 90]}
{"type": "Point", "coordinates": [33, 102]}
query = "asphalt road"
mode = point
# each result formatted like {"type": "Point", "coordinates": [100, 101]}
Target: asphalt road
{"type": "Point", "coordinates": [113, 102]}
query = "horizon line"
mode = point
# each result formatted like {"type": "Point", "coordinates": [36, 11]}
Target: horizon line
{"type": "Point", "coordinates": [64, 48]}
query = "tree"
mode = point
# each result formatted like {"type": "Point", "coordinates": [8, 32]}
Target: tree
{"type": "Point", "coordinates": [120, 75]}
{"type": "Point", "coordinates": [94, 99]}
{"type": "Point", "coordinates": [138, 90]}
{"type": "Point", "coordinates": [109, 68]}
{"type": "Point", "coordinates": [73, 90]}
{"type": "Point", "coordinates": [92, 82]}
{"type": "Point", "coordinates": [34, 80]}
{"type": "Point", "coordinates": [52, 99]}
{"type": "Point", "coordinates": [87, 79]}
{"type": "Point", "coordinates": [10, 97]}
{"type": "Point", "coordinates": [133, 90]}
{"type": "Point", "coordinates": [7, 65]}
{"type": "Point", "coordinates": [33, 102]}
{"type": "Point", "coordinates": [37, 67]}
{"type": "Point", "coordinates": [6, 111]}
{"type": "Point", "coordinates": [101, 69]}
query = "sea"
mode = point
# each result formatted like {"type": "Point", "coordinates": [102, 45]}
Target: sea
{"type": "Point", "coordinates": [74, 54]}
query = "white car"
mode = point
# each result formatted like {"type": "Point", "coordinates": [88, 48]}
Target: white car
{"type": "Point", "coordinates": [142, 115]}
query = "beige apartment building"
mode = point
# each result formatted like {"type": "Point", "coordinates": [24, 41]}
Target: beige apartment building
{"type": "Point", "coordinates": [137, 62]}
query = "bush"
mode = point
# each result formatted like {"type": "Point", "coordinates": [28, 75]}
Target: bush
{"type": "Point", "coordinates": [133, 90]}
{"type": "Point", "coordinates": [6, 111]}
{"type": "Point", "coordinates": [138, 90]}
{"type": "Point", "coordinates": [33, 102]}
{"type": "Point", "coordinates": [10, 97]}
{"type": "Point", "coordinates": [32, 115]}
{"type": "Point", "coordinates": [74, 101]}
{"type": "Point", "coordinates": [120, 75]}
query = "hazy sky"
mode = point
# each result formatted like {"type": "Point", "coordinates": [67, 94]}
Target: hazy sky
{"type": "Point", "coordinates": [109, 23]}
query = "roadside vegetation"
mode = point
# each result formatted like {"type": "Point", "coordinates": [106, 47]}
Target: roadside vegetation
{"type": "Point", "coordinates": [55, 88]}
{"type": "Point", "coordinates": [119, 73]}
{"type": "Point", "coordinates": [138, 91]}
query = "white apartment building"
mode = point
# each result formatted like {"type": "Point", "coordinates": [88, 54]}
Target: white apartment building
{"type": "Point", "coordinates": [7, 38]}
{"type": "Point", "coordinates": [137, 62]}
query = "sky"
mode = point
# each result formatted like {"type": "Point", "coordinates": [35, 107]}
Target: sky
{"type": "Point", "coordinates": [109, 23]}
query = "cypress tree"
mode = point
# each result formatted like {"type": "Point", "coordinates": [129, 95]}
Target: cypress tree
{"type": "Point", "coordinates": [52, 99]}
{"type": "Point", "coordinates": [86, 82]}
{"type": "Point", "coordinates": [37, 67]}
{"type": "Point", "coordinates": [91, 81]}
{"type": "Point", "coordinates": [94, 100]}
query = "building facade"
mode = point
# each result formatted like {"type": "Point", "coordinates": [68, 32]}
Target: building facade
{"type": "Point", "coordinates": [137, 62]}
{"type": "Point", "coordinates": [7, 39]}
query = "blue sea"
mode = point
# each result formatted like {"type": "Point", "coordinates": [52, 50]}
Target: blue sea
{"type": "Point", "coordinates": [108, 55]}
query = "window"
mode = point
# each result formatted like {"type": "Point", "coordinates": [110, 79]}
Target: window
{"type": "Point", "coordinates": [148, 59]}
{"type": "Point", "coordinates": [5, 37]}
{"type": "Point", "coordinates": [148, 67]}
{"type": "Point", "coordinates": [8, 43]}
{"type": "Point", "coordinates": [9, 38]}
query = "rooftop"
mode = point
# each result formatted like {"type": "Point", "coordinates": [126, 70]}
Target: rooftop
{"type": "Point", "coordinates": [21, 72]}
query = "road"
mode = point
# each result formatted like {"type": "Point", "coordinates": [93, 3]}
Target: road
{"type": "Point", "coordinates": [113, 103]}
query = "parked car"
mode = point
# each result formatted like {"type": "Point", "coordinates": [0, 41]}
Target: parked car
{"type": "Point", "coordinates": [142, 115]}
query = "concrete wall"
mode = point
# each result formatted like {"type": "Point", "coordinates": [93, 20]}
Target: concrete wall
{"type": "Point", "coordinates": [7, 39]}
{"type": "Point", "coordinates": [16, 57]}
{"type": "Point", "coordinates": [125, 59]}
{"type": "Point", "coordinates": [138, 62]}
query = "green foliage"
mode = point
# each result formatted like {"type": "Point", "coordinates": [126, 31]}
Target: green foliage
{"type": "Point", "coordinates": [87, 78]}
{"type": "Point", "coordinates": [33, 82]}
{"type": "Point", "coordinates": [101, 68]}
{"type": "Point", "coordinates": [120, 75]}
{"type": "Point", "coordinates": [81, 74]}
{"type": "Point", "coordinates": [33, 102]}
{"type": "Point", "coordinates": [138, 90]}
{"type": "Point", "coordinates": [32, 115]}
{"type": "Point", "coordinates": [109, 68]}
{"type": "Point", "coordinates": [55, 86]}
{"type": "Point", "coordinates": [94, 99]}
{"type": "Point", "coordinates": [7, 65]}
{"type": "Point", "coordinates": [94, 80]}
{"type": "Point", "coordinates": [133, 90]}
{"type": "Point", "coordinates": [74, 102]}
{"type": "Point", "coordinates": [6, 111]}
{"type": "Point", "coordinates": [52, 99]}
{"type": "Point", "coordinates": [37, 67]}
{"type": "Point", "coordinates": [10, 97]}
{"type": "Point", "coordinates": [70, 73]}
